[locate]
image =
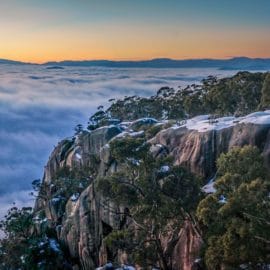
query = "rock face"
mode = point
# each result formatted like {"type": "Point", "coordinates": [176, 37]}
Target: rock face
{"type": "Point", "coordinates": [187, 248]}
{"type": "Point", "coordinates": [83, 223]}
{"type": "Point", "coordinates": [199, 151]}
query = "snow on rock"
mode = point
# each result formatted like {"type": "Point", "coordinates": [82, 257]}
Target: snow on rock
{"type": "Point", "coordinates": [44, 220]}
{"type": "Point", "coordinates": [128, 267]}
{"type": "Point", "coordinates": [131, 134]}
{"type": "Point", "coordinates": [124, 125]}
{"type": "Point", "coordinates": [142, 123]}
{"type": "Point", "coordinates": [146, 120]}
{"type": "Point", "coordinates": [222, 199]}
{"type": "Point", "coordinates": [108, 266]}
{"type": "Point", "coordinates": [259, 118]}
{"type": "Point", "coordinates": [134, 161]}
{"type": "Point", "coordinates": [107, 146]}
{"type": "Point", "coordinates": [38, 220]}
{"type": "Point", "coordinates": [176, 126]}
{"type": "Point", "coordinates": [122, 134]}
{"type": "Point", "coordinates": [159, 145]}
{"type": "Point", "coordinates": [204, 123]}
{"type": "Point", "coordinates": [40, 264]}
{"type": "Point", "coordinates": [54, 245]}
{"type": "Point", "coordinates": [22, 258]}
{"type": "Point", "coordinates": [161, 123]}
{"type": "Point", "coordinates": [108, 127]}
{"type": "Point", "coordinates": [41, 244]}
{"type": "Point", "coordinates": [75, 197]}
{"type": "Point", "coordinates": [164, 169]}
{"type": "Point", "coordinates": [56, 199]}
{"type": "Point", "coordinates": [209, 187]}
{"type": "Point", "coordinates": [136, 134]}
{"type": "Point", "coordinates": [80, 185]}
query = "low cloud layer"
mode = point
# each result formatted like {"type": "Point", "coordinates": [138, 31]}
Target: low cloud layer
{"type": "Point", "coordinates": [38, 107]}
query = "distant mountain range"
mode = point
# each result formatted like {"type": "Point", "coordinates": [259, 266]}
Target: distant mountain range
{"type": "Point", "coordinates": [11, 62]}
{"type": "Point", "coordinates": [237, 63]}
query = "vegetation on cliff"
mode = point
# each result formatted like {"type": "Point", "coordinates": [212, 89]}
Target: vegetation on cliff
{"type": "Point", "coordinates": [152, 197]}
{"type": "Point", "coordinates": [235, 219]}
{"type": "Point", "coordinates": [239, 95]}
{"type": "Point", "coordinates": [24, 247]}
{"type": "Point", "coordinates": [158, 197]}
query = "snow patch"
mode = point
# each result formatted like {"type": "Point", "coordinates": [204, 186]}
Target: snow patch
{"type": "Point", "coordinates": [159, 145]}
{"type": "Point", "coordinates": [57, 199]}
{"type": "Point", "coordinates": [121, 135]}
{"type": "Point", "coordinates": [209, 187]}
{"type": "Point", "coordinates": [136, 134]}
{"type": "Point", "coordinates": [146, 120]}
{"type": "Point", "coordinates": [75, 197]}
{"type": "Point", "coordinates": [203, 123]}
{"type": "Point", "coordinates": [222, 199]}
{"type": "Point", "coordinates": [80, 185]}
{"type": "Point", "coordinates": [132, 134]}
{"type": "Point", "coordinates": [54, 245]}
{"type": "Point", "coordinates": [134, 161]}
{"type": "Point", "coordinates": [41, 244]}
{"type": "Point", "coordinates": [164, 169]}
{"type": "Point", "coordinates": [128, 267]}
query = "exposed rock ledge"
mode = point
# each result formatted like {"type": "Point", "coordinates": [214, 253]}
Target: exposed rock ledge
{"type": "Point", "coordinates": [85, 221]}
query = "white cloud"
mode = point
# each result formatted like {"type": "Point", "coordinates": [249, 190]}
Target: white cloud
{"type": "Point", "coordinates": [38, 107]}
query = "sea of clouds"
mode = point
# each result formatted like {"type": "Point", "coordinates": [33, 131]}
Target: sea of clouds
{"type": "Point", "coordinates": [40, 106]}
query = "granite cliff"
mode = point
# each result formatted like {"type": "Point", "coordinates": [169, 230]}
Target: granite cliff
{"type": "Point", "coordinates": [85, 219]}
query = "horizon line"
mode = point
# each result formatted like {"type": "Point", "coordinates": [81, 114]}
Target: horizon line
{"type": "Point", "coordinates": [132, 59]}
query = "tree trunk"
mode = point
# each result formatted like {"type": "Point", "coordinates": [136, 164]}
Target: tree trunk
{"type": "Point", "coordinates": [161, 256]}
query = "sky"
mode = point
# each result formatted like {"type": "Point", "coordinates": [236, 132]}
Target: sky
{"type": "Point", "coordinates": [40, 31]}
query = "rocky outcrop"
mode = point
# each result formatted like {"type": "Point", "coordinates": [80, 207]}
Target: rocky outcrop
{"type": "Point", "coordinates": [198, 151]}
{"type": "Point", "coordinates": [84, 222]}
{"type": "Point", "coordinates": [185, 252]}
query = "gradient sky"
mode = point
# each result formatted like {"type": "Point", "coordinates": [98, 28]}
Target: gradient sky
{"type": "Point", "coordinates": [39, 31]}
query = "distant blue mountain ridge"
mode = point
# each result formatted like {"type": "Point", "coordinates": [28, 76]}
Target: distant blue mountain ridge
{"type": "Point", "coordinates": [236, 63]}
{"type": "Point", "coordinates": [10, 62]}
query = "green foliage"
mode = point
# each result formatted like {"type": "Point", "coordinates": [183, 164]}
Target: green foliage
{"type": "Point", "coordinates": [17, 222]}
{"type": "Point", "coordinates": [158, 195]}
{"type": "Point", "coordinates": [238, 95]}
{"type": "Point", "coordinates": [78, 129]}
{"type": "Point", "coordinates": [71, 181]}
{"type": "Point", "coordinates": [160, 106]}
{"type": "Point", "coordinates": [66, 148]}
{"type": "Point", "coordinates": [152, 131]}
{"type": "Point", "coordinates": [246, 162]}
{"type": "Point", "coordinates": [128, 148]}
{"type": "Point", "coordinates": [22, 248]}
{"type": "Point", "coordinates": [265, 99]}
{"type": "Point", "coordinates": [235, 218]}
{"type": "Point", "coordinates": [101, 118]}
{"type": "Point", "coordinates": [96, 119]}
{"type": "Point", "coordinates": [121, 239]}
{"type": "Point", "coordinates": [39, 249]}
{"type": "Point", "coordinates": [124, 193]}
